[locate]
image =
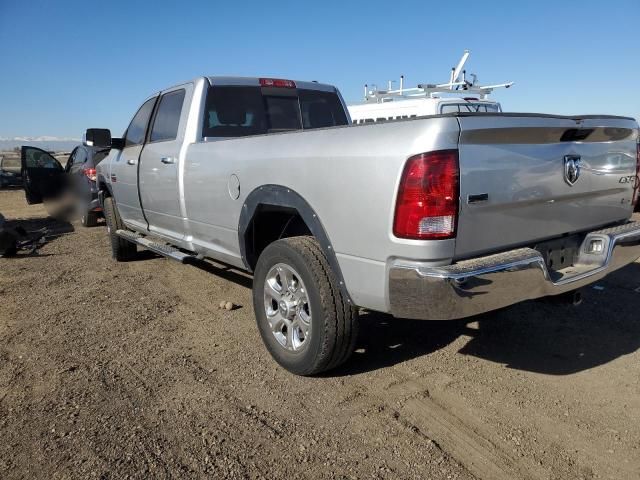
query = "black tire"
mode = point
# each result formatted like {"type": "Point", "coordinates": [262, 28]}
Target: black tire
{"type": "Point", "coordinates": [121, 249]}
{"type": "Point", "coordinates": [89, 219]}
{"type": "Point", "coordinates": [334, 323]}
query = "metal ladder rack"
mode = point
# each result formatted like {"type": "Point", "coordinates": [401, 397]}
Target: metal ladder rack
{"type": "Point", "coordinates": [457, 84]}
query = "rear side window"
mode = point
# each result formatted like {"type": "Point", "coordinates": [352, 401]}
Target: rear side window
{"type": "Point", "coordinates": [71, 159]}
{"type": "Point", "coordinates": [234, 112]}
{"type": "Point", "coordinates": [240, 111]}
{"type": "Point", "coordinates": [80, 157]}
{"type": "Point", "coordinates": [138, 126]}
{"type": "Point", "coordinates": [167, 119]}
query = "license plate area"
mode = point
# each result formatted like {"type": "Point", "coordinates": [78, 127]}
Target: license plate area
{"type": "Point", "coordinates": [560, 253]}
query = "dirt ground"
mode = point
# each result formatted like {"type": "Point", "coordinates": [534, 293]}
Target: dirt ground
{"type": "Point", "coordinates": [130, 370]}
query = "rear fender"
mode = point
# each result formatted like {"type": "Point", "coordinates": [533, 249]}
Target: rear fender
{"type": "Point", "coordinates": [280, 196]}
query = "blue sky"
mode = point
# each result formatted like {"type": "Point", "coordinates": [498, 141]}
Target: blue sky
{"type": "Point", "coordinates": [69, 65]}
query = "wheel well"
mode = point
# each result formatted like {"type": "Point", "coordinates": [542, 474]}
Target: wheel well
{"type": "Point", "coordinates": [268, 224]}
{"type": "Point", "coordinates": [271, 212]}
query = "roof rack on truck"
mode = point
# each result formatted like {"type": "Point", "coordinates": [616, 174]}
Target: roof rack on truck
{"type": "Point", "coordinates": [457, 84]}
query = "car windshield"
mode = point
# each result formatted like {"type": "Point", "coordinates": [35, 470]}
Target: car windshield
{"type": "Point", "coordinates": [236, 111]}
{"type": "Point", "coordinates": [470, 107]}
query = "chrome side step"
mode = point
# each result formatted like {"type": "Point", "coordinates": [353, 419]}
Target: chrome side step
{"type": "Point", "coordinates": [159, 248]}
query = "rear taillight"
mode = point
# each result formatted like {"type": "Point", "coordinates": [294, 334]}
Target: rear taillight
{"type": "Point", "coordinates": [90, 173]}
{"type": "Point", "coordinates": [427, 204]}
{"type": "Point", "coordinates": [277, 82]}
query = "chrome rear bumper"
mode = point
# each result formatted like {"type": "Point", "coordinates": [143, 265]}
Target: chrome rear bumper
{"type": "Point", "coordinates": [483, 284]}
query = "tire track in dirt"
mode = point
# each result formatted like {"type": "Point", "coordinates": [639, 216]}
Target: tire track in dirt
{"type": "Point", "coordinates": [448, 423]}
{"type": "Point", "coordinates": [424, 409]}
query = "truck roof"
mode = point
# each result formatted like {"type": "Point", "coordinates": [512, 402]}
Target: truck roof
{"type": "Point", "coordinates": [255, 82]}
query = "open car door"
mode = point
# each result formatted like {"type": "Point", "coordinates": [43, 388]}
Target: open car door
{"type": "Point", "coordinates": [42, 175]}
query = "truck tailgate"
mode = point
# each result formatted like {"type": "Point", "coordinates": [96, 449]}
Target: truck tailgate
{"type": "Point", "coordinates": [519, 181]}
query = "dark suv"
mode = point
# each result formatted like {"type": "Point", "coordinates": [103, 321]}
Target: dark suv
{"type": "Point", "coordinates": [81, 168]}
{"type": "Point", "coordinates": [44, 178]}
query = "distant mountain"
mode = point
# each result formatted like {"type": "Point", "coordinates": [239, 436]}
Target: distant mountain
{"type": "Point", "coordinates": [56, 144]}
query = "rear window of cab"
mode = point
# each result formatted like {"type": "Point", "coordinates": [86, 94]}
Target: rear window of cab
{"type": "Point", "coordinates": [239, 111]}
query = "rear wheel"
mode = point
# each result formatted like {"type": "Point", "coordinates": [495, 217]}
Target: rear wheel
{"type": "Point", "coordinates": [304, 320]}
{"type": "Point", "coordinates": [121, 249]}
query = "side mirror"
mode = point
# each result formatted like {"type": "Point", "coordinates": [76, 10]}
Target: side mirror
{"type": "Point", "coordinates": [97, 137]}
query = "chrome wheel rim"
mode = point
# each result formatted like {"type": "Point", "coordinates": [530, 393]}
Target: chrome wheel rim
{"type": "Point", "coordinates": [287, 307]}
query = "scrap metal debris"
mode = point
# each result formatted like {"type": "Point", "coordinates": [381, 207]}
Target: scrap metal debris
{"type": "Point", "coordinates": [16, 238]}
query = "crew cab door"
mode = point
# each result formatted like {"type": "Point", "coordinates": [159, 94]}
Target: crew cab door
{"type": "Point", "coordinates": [42, 175]}
{"type": "Point", "coordinates": [160, 163]}
{"type": "Point", "coordinates": [124, 168]}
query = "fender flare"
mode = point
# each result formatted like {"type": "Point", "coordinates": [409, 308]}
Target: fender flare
{"type": "Point", "coordinates": [280, 196]}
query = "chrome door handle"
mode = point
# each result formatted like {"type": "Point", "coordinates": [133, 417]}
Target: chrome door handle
{"type": "Point", "coordinates": [168, 160]}
{"type": "Point", "coordinates": [131, 162]}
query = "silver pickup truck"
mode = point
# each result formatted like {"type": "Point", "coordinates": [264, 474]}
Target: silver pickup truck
{"type": "Point", "coordinates": [439, 217]}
